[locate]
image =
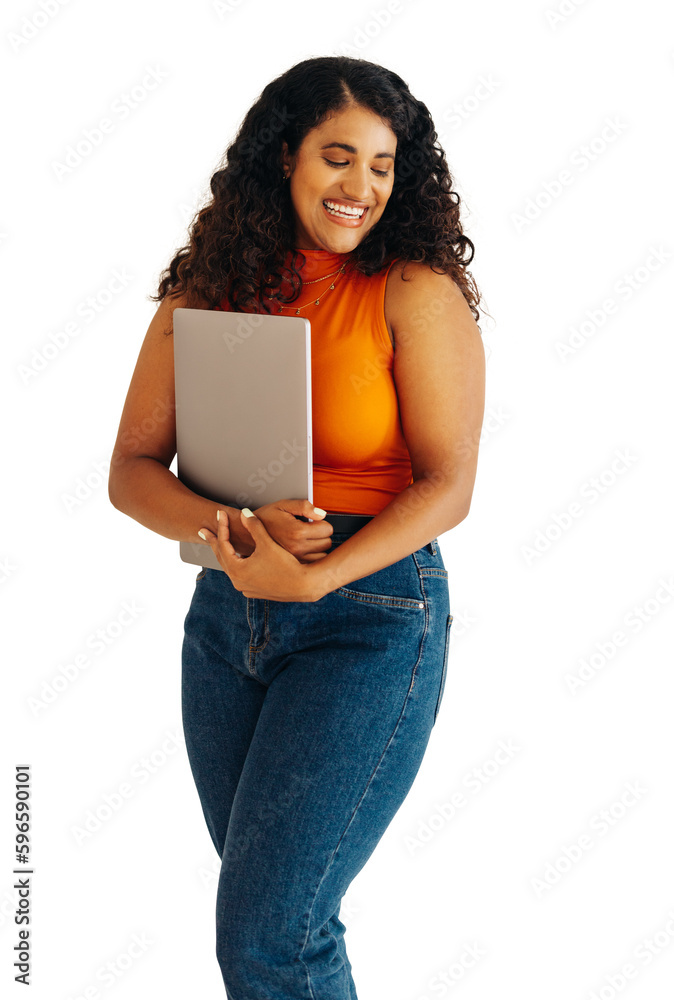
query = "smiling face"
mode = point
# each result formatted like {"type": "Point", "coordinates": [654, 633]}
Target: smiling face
{"type": "Point", "coordinates": [348, 162]}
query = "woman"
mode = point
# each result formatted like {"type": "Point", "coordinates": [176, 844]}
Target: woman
{"type": "Point", "coordinates": [314, 665]}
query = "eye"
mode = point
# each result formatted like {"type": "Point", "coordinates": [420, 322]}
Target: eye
{"type": "Point", "coordinates": [333, 163]}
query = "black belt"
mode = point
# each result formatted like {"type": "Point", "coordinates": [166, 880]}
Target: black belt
{"type": "Point", "coordinates": [348, 523]}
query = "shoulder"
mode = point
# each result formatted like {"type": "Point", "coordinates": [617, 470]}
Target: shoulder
{"type": "Point", "coordinates": [415, 292]}
{"type": "Point", "coordinates": [175, 300]}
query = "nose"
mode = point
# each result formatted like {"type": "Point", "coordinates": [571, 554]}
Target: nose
{"type": "Point", "coordinates": [356, 183]}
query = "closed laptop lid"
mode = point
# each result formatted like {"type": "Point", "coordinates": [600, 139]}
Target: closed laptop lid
{"type": "Point", "coordinates": [243, 410]}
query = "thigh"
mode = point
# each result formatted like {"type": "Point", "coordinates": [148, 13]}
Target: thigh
{"type": "Point", "coordinates": [339, 740]}
{"type": "Point", "coordinates": [220, 709]}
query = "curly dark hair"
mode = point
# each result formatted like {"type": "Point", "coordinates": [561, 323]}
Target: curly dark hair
{"type": "Point", "coordinates": [239, 241]}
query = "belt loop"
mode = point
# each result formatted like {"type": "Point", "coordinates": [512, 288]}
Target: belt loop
{"type": "Point", "coordinates": [432, 547]}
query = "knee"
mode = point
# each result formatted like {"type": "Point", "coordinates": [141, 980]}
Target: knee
{"type": "Point", "coordinates": [254, 964]}
{"type": "Point", "coordinates": [259, 934]}
{"type": "Point", "coordinates": [266, 949]}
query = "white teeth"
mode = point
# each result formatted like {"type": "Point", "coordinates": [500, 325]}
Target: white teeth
{"type": "Point", "coordinates": [352, 213]}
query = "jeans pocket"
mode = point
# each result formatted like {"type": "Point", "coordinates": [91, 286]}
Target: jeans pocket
{"type": "Point", "coordinates": [365, 597]}
{"type": "Point", "coordinates": [443, 676]}
{"type": "Point", "coordinates": [395, 586]}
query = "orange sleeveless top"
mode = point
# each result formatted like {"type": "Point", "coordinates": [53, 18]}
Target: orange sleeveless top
{"type": "Point", "coordinates": [360, 458]}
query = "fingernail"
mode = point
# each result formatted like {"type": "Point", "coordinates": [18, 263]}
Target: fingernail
{"type": "Point", "coordinates": [217, 515]}
{"type": "Point", "coordinates": [202, 535]}
{"type": "Point", "coordinates": [317, 510]}
{"type": "Point", "coordinates": [247, 512]}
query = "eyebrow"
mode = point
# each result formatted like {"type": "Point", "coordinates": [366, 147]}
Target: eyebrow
{"type": "Point", "coordinates": [352, 149]}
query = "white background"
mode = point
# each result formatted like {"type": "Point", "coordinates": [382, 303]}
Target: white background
{"type": "Point", "coordinates": [516, 93]}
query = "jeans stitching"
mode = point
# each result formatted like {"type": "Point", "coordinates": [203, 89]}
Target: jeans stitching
{"type": "Point", "coordinates": [448, 625]}
{"type": "Point", "coordinates": [385, 600]}
{"type": "Point", "coordinates": [390, 600]}
{"type": "Point", "coordinates": [427, 614]}
{"type": "Point", "coordinates": [252, 650]}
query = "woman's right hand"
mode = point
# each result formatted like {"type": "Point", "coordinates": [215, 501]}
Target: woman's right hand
{"type": "Point", "coordinates": [307, 542]}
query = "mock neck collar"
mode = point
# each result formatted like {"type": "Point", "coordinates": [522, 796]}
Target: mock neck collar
{"type": "Point", "coordinates": [318, 262]}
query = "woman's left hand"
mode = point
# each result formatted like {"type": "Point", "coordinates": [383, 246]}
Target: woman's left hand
{"type": "Point", "coordinates": [269, 572]}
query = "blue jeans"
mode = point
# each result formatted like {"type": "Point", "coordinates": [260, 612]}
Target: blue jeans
{"type": "Point", "coordinates": [305, 725]}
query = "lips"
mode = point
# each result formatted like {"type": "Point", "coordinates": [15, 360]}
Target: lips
{"type": "Point", "coordinates": [346, 221]}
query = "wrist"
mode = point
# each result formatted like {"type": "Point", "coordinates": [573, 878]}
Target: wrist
{"type": "Point", "coordinates": [320, 579]}
{"type": "Point", "coordinates": [238, 536]}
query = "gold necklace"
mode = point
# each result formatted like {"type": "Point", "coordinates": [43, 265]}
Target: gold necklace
{"type": "Point", "coordinates": [313, 282]}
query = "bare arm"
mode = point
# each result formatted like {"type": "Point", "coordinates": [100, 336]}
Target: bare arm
{"type": "Point", "coordinates": [152, 495]}
{"type": "Point", "coordinates": [141, 483]}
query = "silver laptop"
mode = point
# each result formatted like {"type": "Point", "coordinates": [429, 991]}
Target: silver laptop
{"type": "Point", "coordinates": [243, 410]}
